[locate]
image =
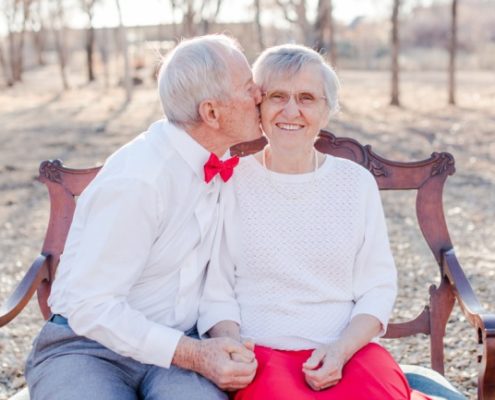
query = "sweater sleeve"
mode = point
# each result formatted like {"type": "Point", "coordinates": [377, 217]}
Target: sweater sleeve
{"type": "Point", "coordinates": [218, 302]}
{"type": "Point", "coordinates": [375, 275]}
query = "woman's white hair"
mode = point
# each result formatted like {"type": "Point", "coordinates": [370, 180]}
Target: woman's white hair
{"type": "Point", "coordinates": [289, 59]}
{"type": "Point", "coordinates": [195, 70]}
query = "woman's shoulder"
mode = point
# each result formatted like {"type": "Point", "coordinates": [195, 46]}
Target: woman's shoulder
{"type": "Point", "coordinates": [343, 165]}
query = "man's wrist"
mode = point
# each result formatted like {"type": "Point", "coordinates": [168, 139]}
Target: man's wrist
{"type": "Point", "coordinates": [187, 353]}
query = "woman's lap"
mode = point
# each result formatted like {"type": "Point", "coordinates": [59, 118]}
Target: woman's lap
{"type": "Point", "coordinates": [370, 374]}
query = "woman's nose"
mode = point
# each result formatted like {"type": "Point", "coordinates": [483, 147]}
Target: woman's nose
{"type": "Point", "coordinates": [291, 108]}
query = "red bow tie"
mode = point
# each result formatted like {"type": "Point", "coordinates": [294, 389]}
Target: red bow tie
{"type": "Point", "coordinates": [216, 166]}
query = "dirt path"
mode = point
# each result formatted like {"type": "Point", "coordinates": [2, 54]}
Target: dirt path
{"type": "Point", "coordinates": [82, 127]}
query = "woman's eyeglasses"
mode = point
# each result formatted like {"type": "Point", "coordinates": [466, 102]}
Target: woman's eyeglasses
{"type": "Point", "coordinates": [281, 98]}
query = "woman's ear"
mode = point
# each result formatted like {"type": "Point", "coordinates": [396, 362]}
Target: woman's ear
{"type": "Point", "coordinates": [210, 113]}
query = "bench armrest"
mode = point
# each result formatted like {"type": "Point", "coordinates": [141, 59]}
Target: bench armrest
{"type": "Point", "coordinates": [479, 318]}
{"type": "Point", "coordinates": [37, 273]}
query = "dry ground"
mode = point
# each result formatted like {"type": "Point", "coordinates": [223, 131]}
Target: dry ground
{"type": "Point", "coordinates": [84, 125]}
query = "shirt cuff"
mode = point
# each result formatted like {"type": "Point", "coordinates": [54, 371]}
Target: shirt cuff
{"type": "Point", "coordinates": [160, 344]}
{"type": "Point", "coordinates": [223, 312]}
{"type": "Point", "coordinates": [382, 314]}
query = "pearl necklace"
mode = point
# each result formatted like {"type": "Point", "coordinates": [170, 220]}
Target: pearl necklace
{"type": "Point", "coordinates": [274, 185]}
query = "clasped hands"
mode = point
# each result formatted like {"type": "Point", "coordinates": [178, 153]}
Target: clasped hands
{"type": "Point", "coordinates": [232, 365]}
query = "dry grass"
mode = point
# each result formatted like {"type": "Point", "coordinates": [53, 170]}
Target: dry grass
{"type": "Point", "coordinates": [84, 125]}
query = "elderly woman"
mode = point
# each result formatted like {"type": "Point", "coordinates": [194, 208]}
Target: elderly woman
{"type": "Point", "coordinates": [304, 269]}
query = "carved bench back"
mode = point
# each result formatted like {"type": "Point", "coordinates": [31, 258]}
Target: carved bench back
{"type": "Point", "coordinates": [427, 177]}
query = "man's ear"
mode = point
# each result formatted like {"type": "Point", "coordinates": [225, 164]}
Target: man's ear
{"type": "Point", "coordinates": [210, 113]}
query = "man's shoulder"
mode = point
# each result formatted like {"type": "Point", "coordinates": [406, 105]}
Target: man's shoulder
{"type": "Point", "coordinates": [146, 158]}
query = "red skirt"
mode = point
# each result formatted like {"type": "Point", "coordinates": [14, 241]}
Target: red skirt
{"type": "Point", "coordinates": [371, 374]}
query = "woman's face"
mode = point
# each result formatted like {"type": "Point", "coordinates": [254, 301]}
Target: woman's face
{"type": "Point", "coordinates": [294, 109]}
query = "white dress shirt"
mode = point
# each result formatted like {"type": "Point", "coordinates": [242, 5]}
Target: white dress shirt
{"type": "Point", "coordinates": [133, 265]}
{"type": "Point", "coordinates": [300, 255]}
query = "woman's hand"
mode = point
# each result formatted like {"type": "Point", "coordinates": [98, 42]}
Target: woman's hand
{"type": "Point", "coordinates": [324, 368]}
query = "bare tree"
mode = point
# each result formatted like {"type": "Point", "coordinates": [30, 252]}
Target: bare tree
{"type": "Point", "coordinates": [320, 33]}
{"type": "Point", "coordinates": [453, 52]}
{"type": "Point", "coordinates": [295, 12]}
{"type": "Point", "coordinates": [88, 6]}
{"type": "Point", "coordinates": [196, 14]}
{"type": "Point", "coordinates": [325, 30]}
{"type": "Point", "coordinates": [395, 44]}
{"type": "Point", "coordinates": [125, 52]}
{"type": "Point", "coordinates": [58, 28]}
{"type": "Point", "coordinates": [208, 13]}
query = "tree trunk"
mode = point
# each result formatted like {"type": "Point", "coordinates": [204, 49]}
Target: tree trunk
{"type": "Point", "coordinates": [12, 55]}
{"type": "Point", "coordinates": [331, 35]}
{"type": "Point", "coordinates": [257, 22]}
{"type": "Point", "coordinates": [18, 62]}
{"type": "Point", "coordinates": [38, 33]}
{"type": "Point", "coordinates": [5, 68]}
{"type": "Point", "coordinates": [57, 24]}
{"type": "Point", "coordinates": [174, 23]}
{"type": "Point", "coordinates": [394, 100]}
{"type": "Point", "coordinates": [302, 19]}
{"type": "Point", "coordinates": [321, 26]}
{"type": "Point", "coordinates": [453, 53]}
{"type": "Point", "coordinates": [62, 61]}
{"type": "Point", "coordinates": [88, 8]}
{"type": "Point", "coordinates": [104, 52]}
{"type": "Point", "coordinates": [39, 44]}
{"type": "Point", "coordinates": [188, 26]}
{"type": "Point", "coordinates": [90, 44]}
{"type": "Point", "coordinates": [125, 53]}
{"type": "Point", "coordinates": [324, 30]}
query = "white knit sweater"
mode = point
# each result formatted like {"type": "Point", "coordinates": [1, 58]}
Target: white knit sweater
{"type": "Point", "coordinates": [299, 255]}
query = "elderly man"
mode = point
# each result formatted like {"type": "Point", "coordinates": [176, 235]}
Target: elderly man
{"type": "Point", "coordinates": [125, 299]}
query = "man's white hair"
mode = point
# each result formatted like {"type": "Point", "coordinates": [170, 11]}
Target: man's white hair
{"type": "Point", "coordinates": [195, 70]}
{"type": "Point", "coordinates": [289, 59]}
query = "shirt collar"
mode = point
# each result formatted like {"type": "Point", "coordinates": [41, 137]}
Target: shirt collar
{"type": "Point", "coordinates": [189, 150]}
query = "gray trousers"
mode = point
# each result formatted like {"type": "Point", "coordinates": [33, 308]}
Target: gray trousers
{"type": "Point", "coordinates": [64, 366]}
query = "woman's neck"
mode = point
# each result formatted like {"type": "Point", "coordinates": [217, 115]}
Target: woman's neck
{"type": "Point", "coordinates": [303, 161]}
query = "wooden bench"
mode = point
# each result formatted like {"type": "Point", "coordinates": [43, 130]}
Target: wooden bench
{"type": "Point", "coordinates": [427, 177]}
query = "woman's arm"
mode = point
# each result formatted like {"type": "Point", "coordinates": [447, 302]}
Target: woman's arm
{"type": "Point", "coordinates": [226, 329]}
{"type": "Point", "coordinates": [374, 291]}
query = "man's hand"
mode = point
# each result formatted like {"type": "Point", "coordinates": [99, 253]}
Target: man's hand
{"type": "Point", "coordinates": [243, 357]}
{"type": "Point", "coordinates": [324, 368]}
{"type": "Point", "coordinates": [226, 362]}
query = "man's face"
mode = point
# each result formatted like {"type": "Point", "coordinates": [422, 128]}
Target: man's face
{"type": "Point", "coordinates": [240, 112]}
